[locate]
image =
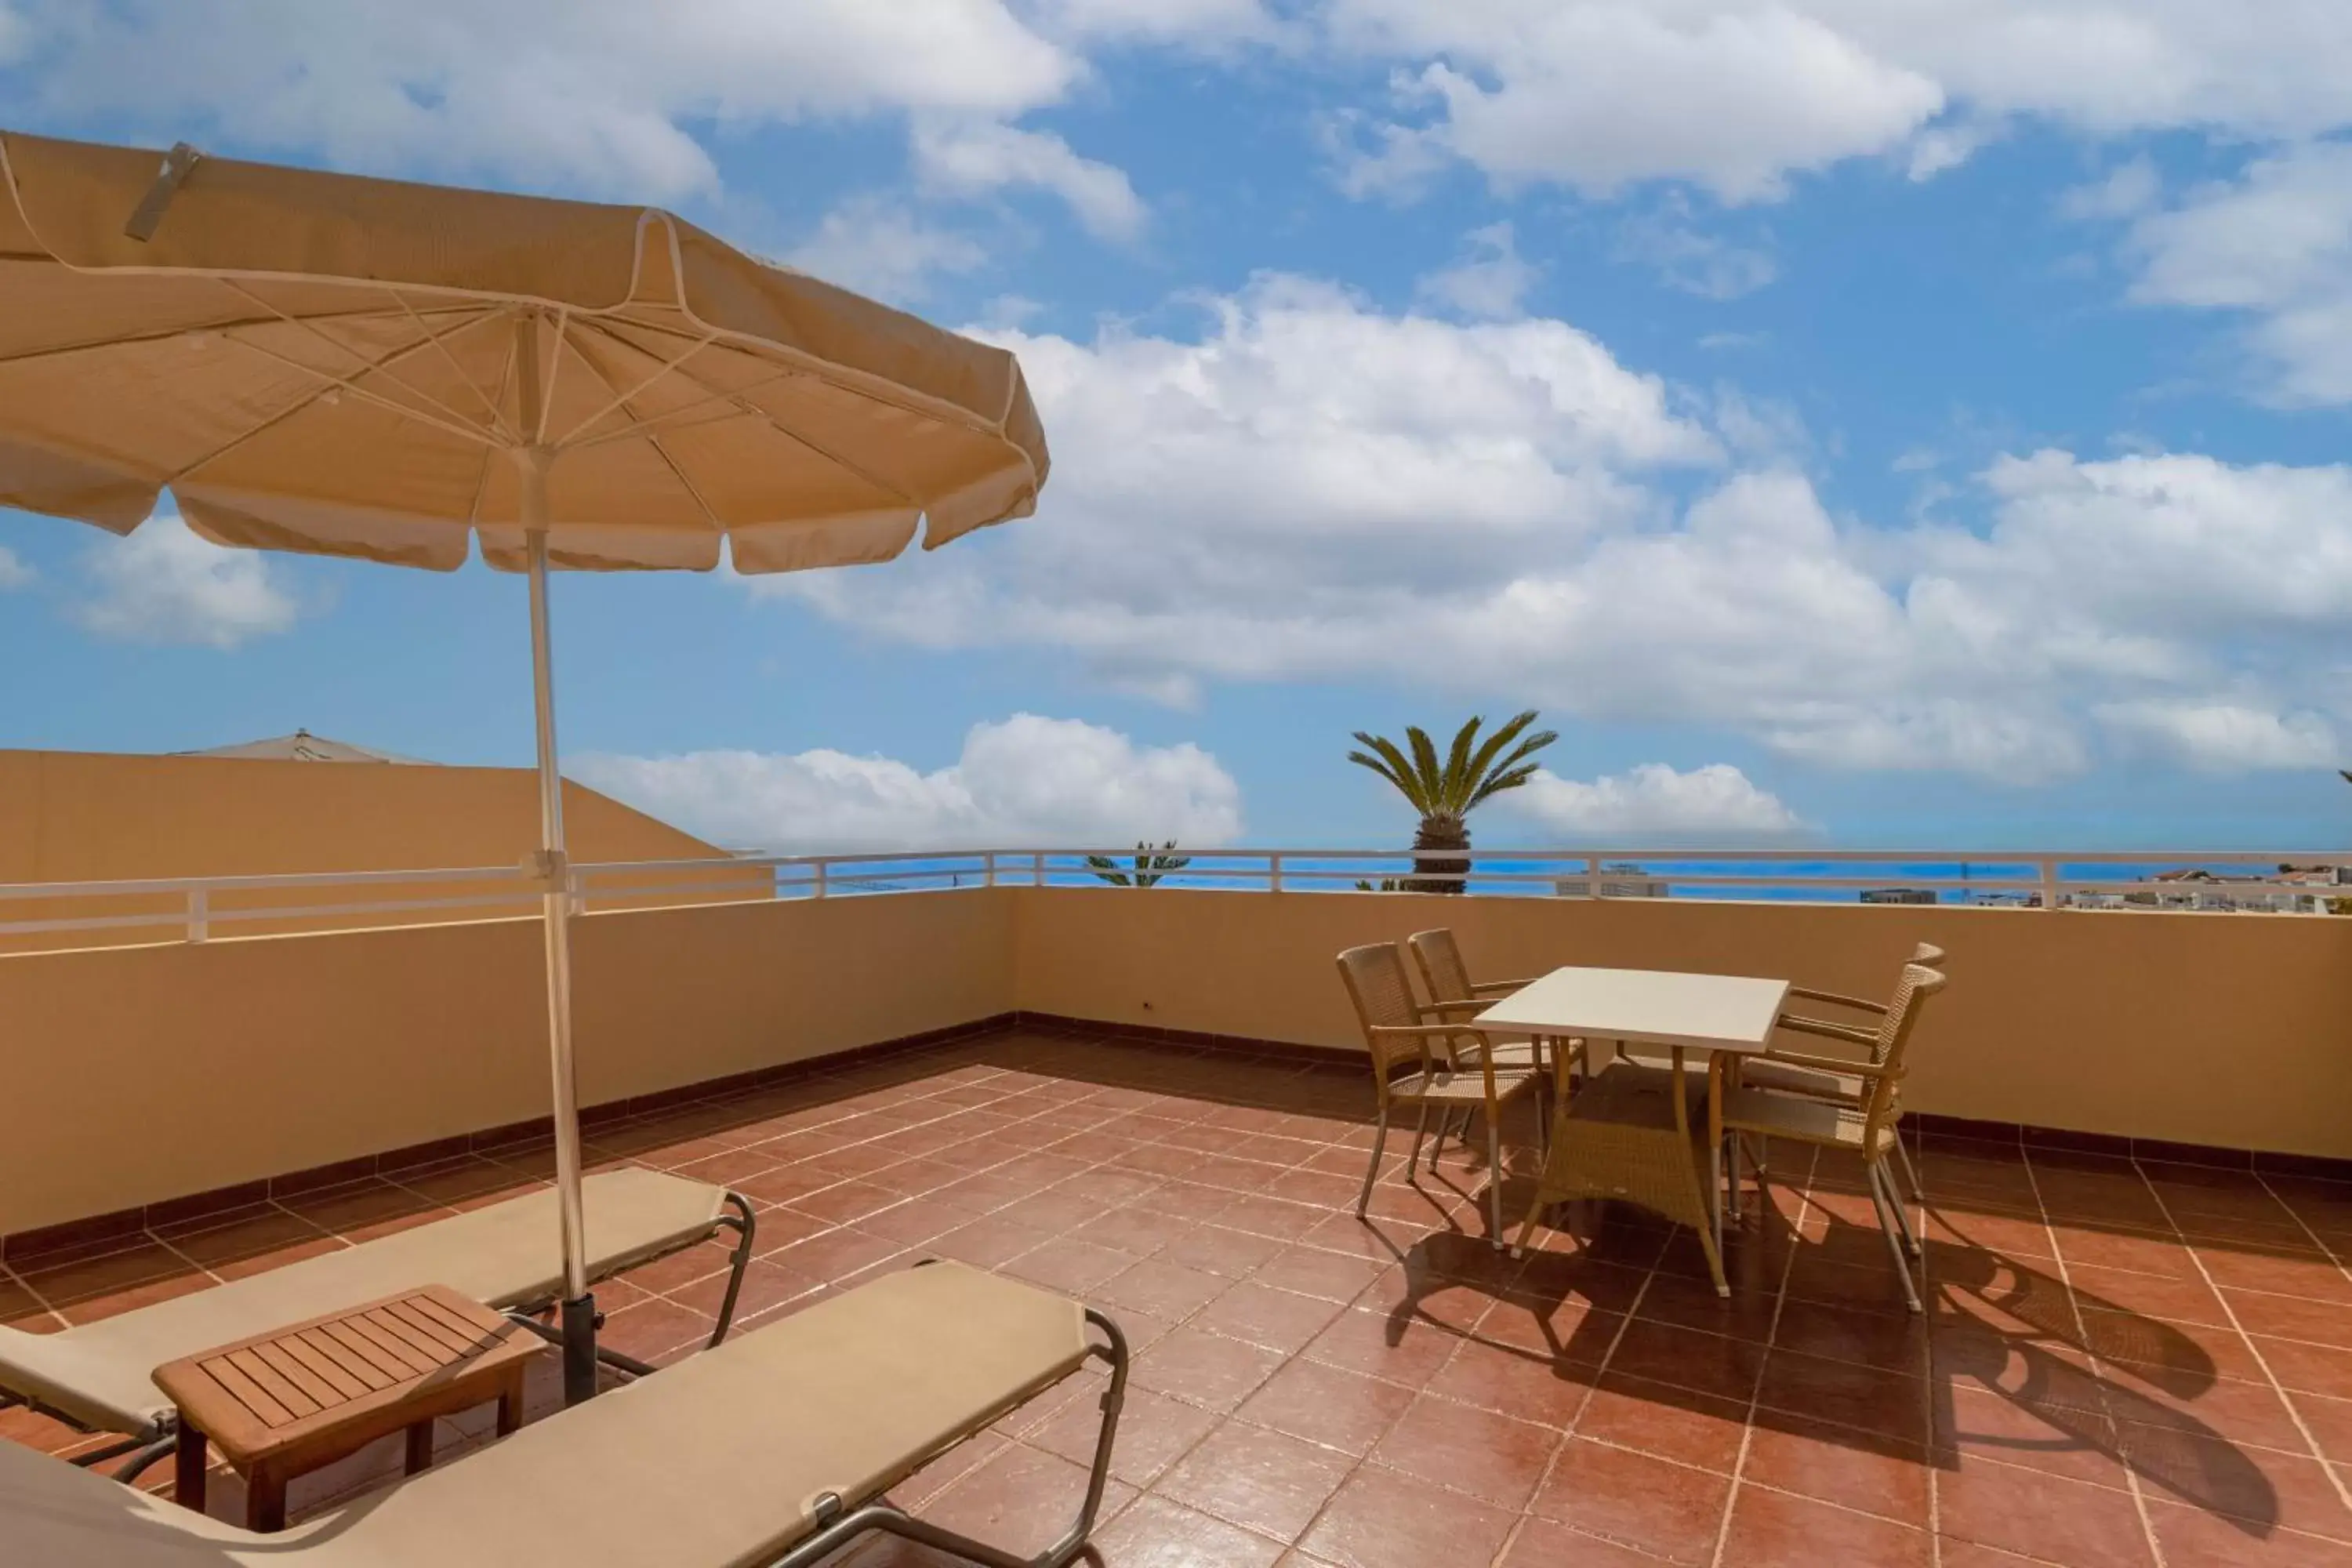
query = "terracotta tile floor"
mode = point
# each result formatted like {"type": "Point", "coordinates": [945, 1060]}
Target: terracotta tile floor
{"type": "Point", "coordinates": [2122, 1363]}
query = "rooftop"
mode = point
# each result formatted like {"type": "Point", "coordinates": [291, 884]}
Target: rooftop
{"type": "Point", "coordinates": [2124, 1360]}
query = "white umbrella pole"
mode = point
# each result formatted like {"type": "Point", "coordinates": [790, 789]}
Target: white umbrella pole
{"type": "Point", "coordinates": [579, 1308]}
{"type": "Point", "coordinates": [579, 1305]}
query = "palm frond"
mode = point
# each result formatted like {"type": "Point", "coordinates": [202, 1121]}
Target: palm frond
{"type": "Point", "coordinates": [1458, 772]}
{"type": "Point", "coordinates": [1509, 779]}
{"type": "Point", "coordinates": [1426, 768]}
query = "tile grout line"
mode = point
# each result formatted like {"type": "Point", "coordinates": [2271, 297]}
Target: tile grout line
{"type": "Point", "coordinates": [1771, 1334]}
{"type": "Point", "coordinates": [1569, 1432]}
{"type": "Point", "coordinates": [2294, 1412]}
{"type": "Point", "coordinates": [2082, 1337]}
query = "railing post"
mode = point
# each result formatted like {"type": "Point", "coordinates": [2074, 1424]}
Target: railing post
{"type": "Point", "coordinates": [1274, 872]}
{"type": "Point", "coordinates": [992, 868]}
{"type": "Point", "coordinates": [1037, 869]}
{"type": "Point", "coordinates": [2049, 883]}
{"type": "Point", "coordinates": [816, 881]}
{"type": "Point", "coordinates": [1593, 877]}
{"type": "Point", "coordinates": [200, 923]}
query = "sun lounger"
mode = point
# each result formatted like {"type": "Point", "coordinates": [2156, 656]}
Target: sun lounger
{"type": "Point", "coordinates": [773, 1449]}
{"type": "Point", "coordinates": [95, 1375]}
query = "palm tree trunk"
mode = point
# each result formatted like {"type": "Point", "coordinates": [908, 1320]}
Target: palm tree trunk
{"type": "Point", "coordinates": [1434, 874]}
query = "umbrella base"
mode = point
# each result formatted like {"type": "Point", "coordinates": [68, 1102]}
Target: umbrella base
{"type": "Point", "coordinates": [581, 1321]}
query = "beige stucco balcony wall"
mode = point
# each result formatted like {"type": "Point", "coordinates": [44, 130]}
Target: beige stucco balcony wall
{"type": "Point", "coordinates": [132, 1075]}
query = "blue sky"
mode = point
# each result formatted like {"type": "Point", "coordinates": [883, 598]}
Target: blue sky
{"type": "Point", "coordinates": [1847, 423]}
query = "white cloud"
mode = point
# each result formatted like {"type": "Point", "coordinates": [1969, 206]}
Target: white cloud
{"type": "Point", "coordinates": [1717, 802]}
{"type": "Point", "coordinates": [2126, 191]}
{"type": "Point", "coordinates": [881, 247]}
{"type": "Point", "coordinates": [14, 573]}
{"type": "Point", "coordinates": [1310, 489]}
{"type": "Point", "coordinates": [1487, 282]}
{"type": "Point", "coordinates": [163, 585]}
{"type": "Point", "coordinates": [595, 94]}
{"type": "Point", "coordinates": [1602, 96]}
{"type": "Point", "coordinates": [2224, 736]}
{"type": "Point", "coordinates": [1688, 258]}
{"type": "Point", "coordinates": [1027, 781]}
{"type": "Point", "coordinates": [2272, 246]}
{"type": "Point", "coordinates": [1599, 94]}
{"type": "Point", "coordinates": [974, 159]}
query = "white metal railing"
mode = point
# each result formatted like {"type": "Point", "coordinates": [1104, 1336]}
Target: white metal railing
{"type": "Point", "coordinates": [195, 908]}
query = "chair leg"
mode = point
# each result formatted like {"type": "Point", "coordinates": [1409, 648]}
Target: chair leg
{"type": "Point", "coordinates": [1910, 1175]}
{"type": "Point", "coordinates": [1895, 1200]}
{"type": "Point", "coordinates": [1494, 1182]}
{"type": "Point", "coordinates": [1891, 1226]}
{"type": "Point", "coordinates": [1379, 1148]}
{"type": "Point", "coordinates": [1421, 1127]}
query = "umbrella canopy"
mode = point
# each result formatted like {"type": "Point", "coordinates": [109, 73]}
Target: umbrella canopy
{"type": "Point", "coordinates": [344, 366]}
{"type": "Point", "coordinates": [320, 363]}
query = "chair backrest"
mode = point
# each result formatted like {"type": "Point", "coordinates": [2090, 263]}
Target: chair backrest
{"type": "Point", "coordinates": [1439, 959]}
{"type": "Point", "coordinates": [1374, 976]}
{"type": "Point", "coordinates": [1886, 1103]}
{"type": "Point", "coordinates": [1435, 954]}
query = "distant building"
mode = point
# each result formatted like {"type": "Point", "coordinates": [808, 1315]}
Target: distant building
{"type": "Point", "coordinates": [1898, 895]}
{"type": "Point", "coordinates": [1619, 881]}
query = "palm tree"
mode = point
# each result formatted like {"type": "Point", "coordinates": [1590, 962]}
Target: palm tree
{"type": "Point", "coordinates": [1150, 865]}
{"type": "Point", "coordinates": [1445, 794]}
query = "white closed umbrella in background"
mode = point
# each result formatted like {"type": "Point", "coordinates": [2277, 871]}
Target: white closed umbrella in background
{"type": "Point", "coordinates": [345, 366]}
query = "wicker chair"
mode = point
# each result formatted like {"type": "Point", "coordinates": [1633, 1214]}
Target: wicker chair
{"type": "Point", "coordinates": [1776, 1068]}
{"type": "Point", "coordinates": [1638, 1134]}
{"type": "Point", "coordinates": [1398, 1037]}
{"type": "Point", "coordinates": [1453, 993]}
{"type": "Point", "coordinates": [1870, 1128]}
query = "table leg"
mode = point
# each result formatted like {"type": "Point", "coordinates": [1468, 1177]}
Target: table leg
{"type": "Point", "coordinates": [188, 1468]}
{"type": "Point", "coordinates": [511, 1405]}
{"type": "Point", "coordinates": [265, 1501]}
{"type": "Point", "coordinates": [420, 1448]}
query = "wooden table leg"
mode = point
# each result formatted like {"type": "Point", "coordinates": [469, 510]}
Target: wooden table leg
{"type": "Point", "coordinates": [188, 1468]}
{"type": "Point", "coordinates": [511, 1405]}
{"type": "Point", "coordinates": [264, 1499]}
{"type": "Point", "coordinates": [420, 1448]}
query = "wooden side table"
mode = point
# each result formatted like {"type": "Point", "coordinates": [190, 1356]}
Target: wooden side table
{"type": "Point", "coordinates": [291, 1401]}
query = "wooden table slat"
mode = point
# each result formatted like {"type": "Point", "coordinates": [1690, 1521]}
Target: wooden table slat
{"type": "Point", "coordinates": [469, 1335]}
{"type": "Point", "coordinates": [387, 1367]}
{"type": "Point", "coordinates": [446, 1339]}
{"type": "Point", "coordinates": [260, 1410]}
{"type": "Point", "coordinates": [398, 1351]}
{"type": "Point", "coordinates": [403, 1327]}
{"type": "Point", "coordinates": [313, 1349]}
{"type": "Point", "coordinates": [321, 1393]}
{"type": "Point", "coordinates": [291, 1399]}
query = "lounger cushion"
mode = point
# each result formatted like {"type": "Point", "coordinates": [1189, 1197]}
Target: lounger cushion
{"type": "Point", "coordinates": [714, 1463]}
{"type": "Point", "coordinates": [507, 1254]}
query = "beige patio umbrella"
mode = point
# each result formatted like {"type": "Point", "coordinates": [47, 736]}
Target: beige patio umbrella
{"type": "Point", "coordinates": [344, 366]}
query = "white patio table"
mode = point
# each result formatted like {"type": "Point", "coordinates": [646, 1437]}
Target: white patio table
{"type": "Point", "coordinates": [1721, 1015]}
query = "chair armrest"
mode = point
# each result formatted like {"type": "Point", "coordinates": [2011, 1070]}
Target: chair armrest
{"type": "Point", "coordinates": [1825, 1029]}
{"type": "Point", "coordinates": [1421, 1031]}
{"type": "Point", "coordinates": [1836, 1000]}
{"type": "Point", "coordinates": [1502, 987]}
{"type": "Point", "coordinates": [1837, 1064]}
{"type": "Point", "coordinates": [1467, 1003]}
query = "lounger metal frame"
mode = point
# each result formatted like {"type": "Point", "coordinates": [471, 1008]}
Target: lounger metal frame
{"type": "Point", "coordinates": [147, 1448]}
{"type": "Point", "coordinates": [836, 1528]}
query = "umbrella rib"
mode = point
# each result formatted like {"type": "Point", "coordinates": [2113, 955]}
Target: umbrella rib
{"type": "Point", "coordinates": [288, 412]}
{"type": "Point", "coordinates": [742, 404]}
{"type": "Point", "coordinates": [366, 365]}
{"type": "Point", "coordinates": [621, 400]}
{"type": "Point", "coordinates": [482, 480]}
{"type": "Point", "coordinates": [452, 426]}
{"type": "Point", "coordinates": [66, 351]}
{"type": "Point", "coordinates": [678, 415]}
{"type": "Point", "coordinates": [498, 418]}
